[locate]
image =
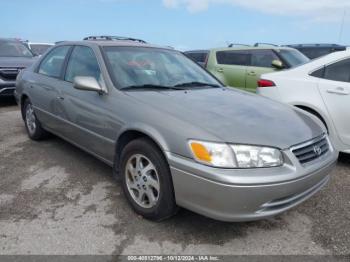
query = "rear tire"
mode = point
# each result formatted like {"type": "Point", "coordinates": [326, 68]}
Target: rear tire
{"type": "Point", "coordinates": [33, 126]}
{"type": "Point", "coordinates": [146, 180]}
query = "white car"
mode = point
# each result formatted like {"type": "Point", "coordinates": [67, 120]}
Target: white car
{"type": "Point", "coordinates": [321, 87]}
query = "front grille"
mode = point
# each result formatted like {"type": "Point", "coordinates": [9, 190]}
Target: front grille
{"type": "Point", "coordinates": [311, 150]}
{"type": "Point", "coordinates": [7, 91]}
{"type": "Point", "coordinates": [9, 74]}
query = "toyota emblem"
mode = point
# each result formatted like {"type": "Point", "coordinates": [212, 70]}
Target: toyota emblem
{"type": "Point", "coordinates": [317, 150]}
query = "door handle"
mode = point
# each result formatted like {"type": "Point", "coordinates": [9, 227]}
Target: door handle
{"type": "Point", "coordinates": [60, 97]}
{"type": "Point", "coordinates": [220, 70]}
{"type": "Point", "coordinates": [251, 73]}
{"type": "Point", "coordinates": [338, 91]}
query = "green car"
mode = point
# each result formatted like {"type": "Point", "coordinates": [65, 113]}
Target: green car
{"type": "Point", "coordinates": [241, 67]}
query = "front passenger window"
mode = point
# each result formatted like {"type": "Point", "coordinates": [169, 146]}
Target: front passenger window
{"type": "Point", "coordinates": [53, 62]}
{"type": "Point", "coordinates": [82, 62]}
{"type": "Point", "coordinates": [263, 58]}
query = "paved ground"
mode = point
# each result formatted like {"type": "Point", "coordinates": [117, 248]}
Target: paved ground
{"type": "Point", "coordinates": [56, 199]}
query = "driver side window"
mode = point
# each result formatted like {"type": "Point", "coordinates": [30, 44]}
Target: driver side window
{"type": "Point", "coordinates": [82, 62]}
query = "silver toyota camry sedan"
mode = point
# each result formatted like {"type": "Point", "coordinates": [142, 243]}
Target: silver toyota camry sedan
{"type": "Point", "coordinates": [174, 135]}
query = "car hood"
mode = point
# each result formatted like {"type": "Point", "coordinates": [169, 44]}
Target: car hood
{"type": "Point", "coordinates": [21, 62]}
{"type": "Point", "coordinates": [235, 116]}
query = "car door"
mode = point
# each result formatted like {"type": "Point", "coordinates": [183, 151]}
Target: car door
{"type": "Point", "coordinates": [335, 90]}
{"type": "Point", "coordinates": [89, 121]}
{"type": "Point", "coordinates": [260, 63]}
{"type": "Point", "coordinates": [44, 86]}
{"type": "Point", "coordinates": [231, 67]}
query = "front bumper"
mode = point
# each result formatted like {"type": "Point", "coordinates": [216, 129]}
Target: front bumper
{"type": "Point", "coordinates": [236, 198]}
{"type": "Point", "coordinates": [7, 89]}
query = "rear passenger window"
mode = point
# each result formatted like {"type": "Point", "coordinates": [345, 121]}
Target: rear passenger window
{"type": "Point", "coordinates": [53, 62]}
{"type": "Point", "coordinates": [263, 58]}
{"type": "Point", "coordinates": [318, 73]}
{"type": "Point", "coordinates": [232, 58]}
{"type": "Point", "coordinates": [82, 62]}
{"type": "Point", "coordinates": [339, 71]}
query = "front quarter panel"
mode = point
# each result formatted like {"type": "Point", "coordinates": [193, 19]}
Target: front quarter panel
{"type": "Point", "coordinates": [169, 132]}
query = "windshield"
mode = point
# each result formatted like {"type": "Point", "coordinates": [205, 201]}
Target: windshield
{"type": "Point", "coordinates": [293, 57]}
{"type": "Point", "coordinates": [14, 49]}
{"type": "Point", "coordinates": [144, 67]}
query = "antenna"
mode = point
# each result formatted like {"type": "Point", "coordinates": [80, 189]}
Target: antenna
{"type": "Point", "coordinates": [342, 27]}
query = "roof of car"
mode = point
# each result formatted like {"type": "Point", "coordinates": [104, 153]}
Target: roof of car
{"type": "Point", "coordinates": [197, 51]}
{"type": "Point", "coordinates": [315, 45]}
{"type": "Point", "coordinates": [112, 43]}
{"type": "Point", "coordinates": [323, 60]}
{"type": "Point", "coordinates": [9, 40]}
{"type": "Point", "coordinates": [252, 48]}
{"type": "Point", "coordinates": [333, 56]}
{"type": "Point", "coordinates": [38, 43]}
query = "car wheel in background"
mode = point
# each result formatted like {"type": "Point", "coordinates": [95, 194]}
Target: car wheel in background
{"type": "Point", "coordinates": [146, 180]}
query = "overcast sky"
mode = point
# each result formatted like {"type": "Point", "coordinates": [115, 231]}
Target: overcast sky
{"type": "Point", "coordinates": [184, 24]}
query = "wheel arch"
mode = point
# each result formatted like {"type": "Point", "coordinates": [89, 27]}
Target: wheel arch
{"type": "Point", "coordinates": [315, 112]}
{"type": "Point", "coordinates": [22, 100]}
{"type": "Point", "coordinates": [128, 135]}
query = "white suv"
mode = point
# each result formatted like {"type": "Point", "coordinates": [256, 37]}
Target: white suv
{"type": "Point", "coordinates": [321, 87]}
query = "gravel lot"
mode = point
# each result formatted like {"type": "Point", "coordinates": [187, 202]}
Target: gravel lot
{"type": "Point", "coordinates": [56, 199]}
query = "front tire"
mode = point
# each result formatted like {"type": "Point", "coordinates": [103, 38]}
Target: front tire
{"type": "Point", "coordinates": [146, 180]}
{"type": "Point", "coordinates": [33, 126]}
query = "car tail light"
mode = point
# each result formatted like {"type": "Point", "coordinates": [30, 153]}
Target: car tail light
{"type": "Point", "coordinates": [265, 83]}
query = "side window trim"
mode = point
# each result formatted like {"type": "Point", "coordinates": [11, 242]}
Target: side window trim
{"type": "Point", "coordinates": [65, 63]}
{"type": "Point", "coordinates": [43, 59]}
{"type": "Point", "coordinates": [250, 57]}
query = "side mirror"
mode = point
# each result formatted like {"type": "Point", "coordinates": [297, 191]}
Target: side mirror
{"type": "Point", "coordinates": [87, 83]}
{"type": "Point", "coordinates": [277, 64]}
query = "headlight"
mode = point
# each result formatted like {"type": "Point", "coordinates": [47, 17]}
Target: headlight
{"type": "Point", "coordinates": [235, 156]}
{"type": "Point", "coordinates": [256, 156]}
{"type": "Point", "coordinates": [213, 154]}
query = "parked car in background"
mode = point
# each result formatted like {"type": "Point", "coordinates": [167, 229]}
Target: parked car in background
{"type": "Point", "coordinates": [14, 56]}
{"type": "Point", "coordinates": [38, 48]}
{"type": "Point", "coordinates": [322, 88]}
{"type": "Point", "coordinates": [174, 135]}
{"type": "Point", "coordinates": [313, 51]}
{"type": "Point", "coordinates": [241, 66]}
{"type": "Point", "coordinates": [199, 56]}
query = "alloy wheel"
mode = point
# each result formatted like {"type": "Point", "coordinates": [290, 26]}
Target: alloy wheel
{"type": "Point", "coordinates": [142, 181]}
{"type": "Point", "coordinates": [30, 119]}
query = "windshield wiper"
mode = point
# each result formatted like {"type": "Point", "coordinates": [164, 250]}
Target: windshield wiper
{"type": "Point", "coordinates": [149, 86]}
{"type": "Point", "coordinates": [195, 83]}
